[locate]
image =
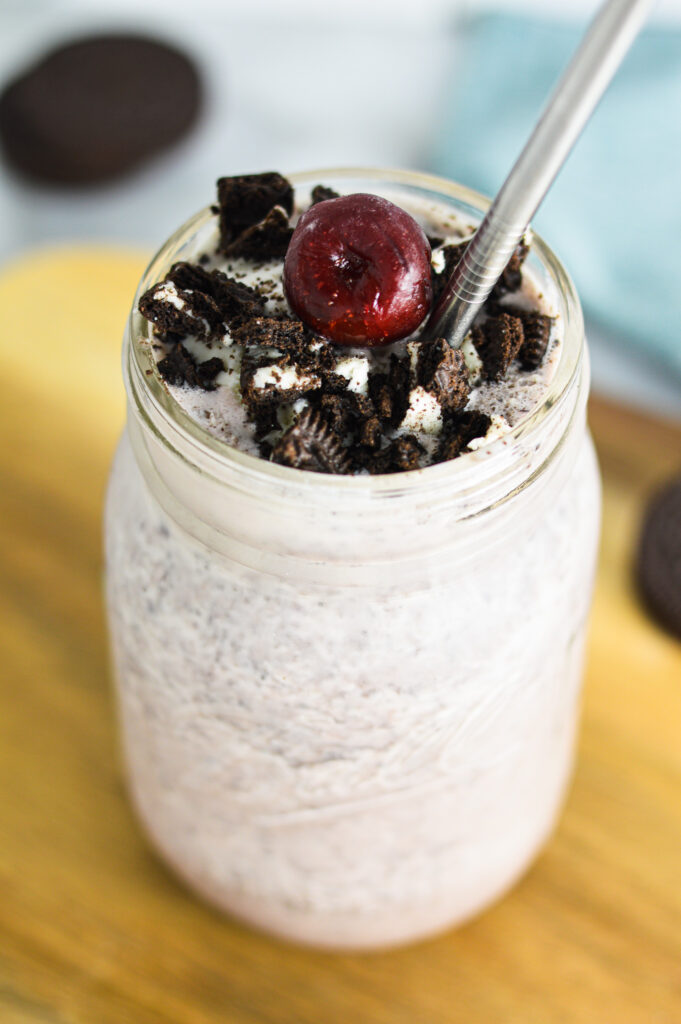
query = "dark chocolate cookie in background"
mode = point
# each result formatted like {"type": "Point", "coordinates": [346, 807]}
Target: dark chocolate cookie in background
{"type": "Point", "coordinates": [93, 110]}
{"type": "Point", "coordinates": [658, 563]}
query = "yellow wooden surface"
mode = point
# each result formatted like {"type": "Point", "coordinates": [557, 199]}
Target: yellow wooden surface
{"type": "Point", "coordinates": [94, 929]}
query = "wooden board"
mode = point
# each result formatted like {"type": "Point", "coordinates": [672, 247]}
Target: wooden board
{"type": "Point", "coordinates": [94, 929]}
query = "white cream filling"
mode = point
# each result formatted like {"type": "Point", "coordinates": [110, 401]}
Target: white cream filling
{"type": "Point", "coordinates": [413, 349]}
{"type": "Point", "coordinates": [424, 414]}
{"type": "Point", "coordinates": [472, 359]}
{"type": "Point", "coordinates": [355, 369]}
{"type": "Point", "coordinates": [288, 413]}
{"type": "Point", "coordinates": [437, 260]}
{"type": "Point", "coordinates": [497, 428]}
{"type": "Point", "coordinates": [167, 292]}
{"type": "Point", "coordinates": [283, 378]}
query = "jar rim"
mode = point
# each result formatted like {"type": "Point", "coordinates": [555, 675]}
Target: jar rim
{"type": "Point", "coordinates": [174, 427]}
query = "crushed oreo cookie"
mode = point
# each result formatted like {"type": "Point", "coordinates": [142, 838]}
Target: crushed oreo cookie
{"type": "Point", "coordinates": [400, 456]}
{"type": "Point", "coordinates": [511, 278]}
{"type": "Point", "coordinates": [442, 370]}
{"type": "Point", "coordinates": [192, 301]}
{"type": "Point", "coordinates": [263, 380]}
{"type": "Point", "coordinates": [320, 193]}
{"type": "Point", "coordinates": [452, 256]}
{"type": "Point", "coordinates": [236, 301]}
{"type": "Point", "coordinates": [265, 418]}
{"type": "Point", "coordinates": [345, 411]}
{"type": "Point", "coordinates": [245, 200]}
{"type": "Point", "coordinates": [390, 391]}
{"type": "Point", "coordinates": [180, 311]}
{"type": "Point", "coordinates": [658, 560]}
{"type": "Point", "coordinates": [536, 335]}
{"type": "Point", "coordinates": [270, 332]}
{"type": "Point", "coordinates": [311, 444]}
{"type": "Point", "coordinates": [460, 431]}
{"type": "Point", "coordinates": [290, 342]}
{"type": "Point", "coordinates": [267, 240]}
{"type": "Point", "coordinates": [337, 412]}
{"type": "Point", "coordinates": [190, 277]}
{"type": "Point", "coordinates": [369, 434]}
{"type": "Point", "coordinates": [498, 341]}
{"type": "Point", "coordinates": [180, 367]}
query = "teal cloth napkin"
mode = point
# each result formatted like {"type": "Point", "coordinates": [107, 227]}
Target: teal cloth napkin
{"type": "Point", "coordinates": [613, 214]}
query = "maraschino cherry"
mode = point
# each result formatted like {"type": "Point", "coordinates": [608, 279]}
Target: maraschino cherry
{"type": "Point", "coordinates": [357, 270]}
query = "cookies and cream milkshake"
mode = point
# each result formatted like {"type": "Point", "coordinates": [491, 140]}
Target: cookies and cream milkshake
{"type": "Point", "coordinates": [349, 570]}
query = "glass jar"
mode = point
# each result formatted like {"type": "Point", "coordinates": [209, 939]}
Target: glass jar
{"type": "Point", "coordinates": [349, 704]}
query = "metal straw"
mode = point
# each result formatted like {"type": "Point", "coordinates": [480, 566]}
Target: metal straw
{"type": "Point", "coordinates": [573, 101]}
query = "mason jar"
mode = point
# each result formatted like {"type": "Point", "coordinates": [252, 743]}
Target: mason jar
{"type": "Point", "coordinates": [348, 704]}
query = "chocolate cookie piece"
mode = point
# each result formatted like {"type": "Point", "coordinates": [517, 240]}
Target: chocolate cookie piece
{"type": "Point", "coordinates": [536, 333]}
{"type": "Point", "coordinates": [512, 278]}
{"type": "Point", "coordinates": [658, 560]}
{"type": "Point", "coordinates": [246, 199]}
{"type": "Point", "coordinates": [536, 337]}
{"type": "Point", "coordinates": [336, 411]}
{"type": "Point", "coordinates": [269, 332]}
{"type": "Point", "coordinates": [400, 456]}
{"type": "Point", "coordinates": [191, 276]}
{"type": "Point", "coordinates": [369, 433]}
{"type": "Point", "coordinates": [345, 411]}
{"type": "Point", "coordinates": [267, 381]}
{"type": "Point", "coordinates": [320, 193]}
{"type": "Point", "coordinates": [191, 300]}
{"type": "Point", "coordinates": [293, 341]}
{"type": "Point", "coordinates": [498, 341]}
{"type": "Point", "coordinates": [452, 255]}
{"type": "Point", "coordinates": [311, 444]}
{"type": "Point", "coordinates": [390, 391]}
{"type": "Point", "coordinates": [267, 240]}
{"type": "Point", "coordinates": [180, 367]}
{"type": "Point", "coordinates": [180, 311]}
{"type": "Point", "coordinates": [265, 419]}
{"type": "Point", "coordinates": [442, 370]}
{"type": "Point", "coordinates": [94, 109]}
{"type": "Point", "coordinates": [460, 431]}
{"type": "Point", "coordinates": [237, 301]}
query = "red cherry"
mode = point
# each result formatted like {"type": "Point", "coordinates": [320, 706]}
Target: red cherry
{"type": "Point", "coordinates": [357, 270]}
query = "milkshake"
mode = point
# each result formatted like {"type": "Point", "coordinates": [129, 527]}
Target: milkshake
{"type": "Point", "coordinates": [349, 696]}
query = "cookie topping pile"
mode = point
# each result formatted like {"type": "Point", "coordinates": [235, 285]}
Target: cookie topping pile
{"type": "Point", "coordinates": [247, 199]}
{"type": "Point", "coordinates": [192, 301]}
{"type": "Point", "coordinates": [315, 400]}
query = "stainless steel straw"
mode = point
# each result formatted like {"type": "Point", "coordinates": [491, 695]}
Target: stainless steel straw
{"type": "Point", "coordinates": [573, 101]}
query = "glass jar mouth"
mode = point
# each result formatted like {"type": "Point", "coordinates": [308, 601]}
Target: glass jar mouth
{"type": "Point", "coordinates": [174, 427]}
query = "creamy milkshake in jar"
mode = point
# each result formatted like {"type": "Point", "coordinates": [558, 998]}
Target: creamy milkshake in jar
{"type": "Point", "coordinates": [348, 580]}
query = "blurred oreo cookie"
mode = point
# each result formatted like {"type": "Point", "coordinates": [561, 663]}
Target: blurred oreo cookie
{"type": "Point", "coordinates": [91, 111]}
{"type": "Point", "coordinates": [658, 562]}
